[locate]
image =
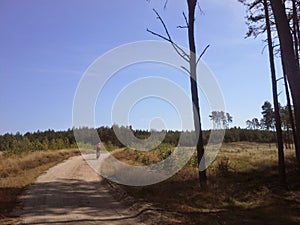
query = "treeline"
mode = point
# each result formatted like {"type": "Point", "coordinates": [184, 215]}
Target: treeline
{"type": "Point", "coordinates": [235, 134]}
{"type": "Point", "coordinates": [51, 139]}
{"type": "Point", "coordinates": [37, 141]}
{"type": "Point", "coordinates": [238, 134]}
{"type": "Point", "coordinates": [268, 122]}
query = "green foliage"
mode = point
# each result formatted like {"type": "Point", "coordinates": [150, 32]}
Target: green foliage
{"type": "Point", "coordinates": [253, 124]}
{"type": "Point", "coordinates": [50, 139]}
{"type": "Point", "coordinates": [165, 150]}
{"type": "Point", "coordinates": [267, 123]}
{"type": "Point", "coordinates": [110, 146]}
{"type": "Point", "coordinates": [268, 119]}
{"type": "Point", "coordinates": [193, 162]}
{"type": "Point", "coordinates": [238, 134]}
{"type": "Point", "coordinates": [85, 146]}
{"type": "Point", "coordinates": [220, 119]}
{"type": "Point", "coordinates": [37, 141]}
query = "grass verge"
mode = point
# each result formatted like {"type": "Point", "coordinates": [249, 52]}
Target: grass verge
{"type": "Point", "coordinates": [19, 170]}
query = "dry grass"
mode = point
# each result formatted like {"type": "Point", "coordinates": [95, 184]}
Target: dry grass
{"type": "Point", "coordinates": [18, 171]}
{"type": "Point", "coordinates": [134, 157]}
{"type": "Point", "coordinates": [243, 189]}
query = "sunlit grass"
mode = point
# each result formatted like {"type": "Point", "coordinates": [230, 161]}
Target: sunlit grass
{"type": "Point", "coordinates": [243, 188]}
{"type": "Point", "coordinates": [19, 170]}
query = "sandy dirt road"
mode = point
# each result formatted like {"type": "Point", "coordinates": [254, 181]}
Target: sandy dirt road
{"type": "Point", "coordinates": [72, 193]}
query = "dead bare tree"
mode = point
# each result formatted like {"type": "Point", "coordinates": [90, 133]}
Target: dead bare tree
{"type": "Point", "coordinates": [193, 61]}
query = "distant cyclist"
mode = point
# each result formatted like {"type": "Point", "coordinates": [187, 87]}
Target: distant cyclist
{"type": "Point", "coordinates": [98, 150]}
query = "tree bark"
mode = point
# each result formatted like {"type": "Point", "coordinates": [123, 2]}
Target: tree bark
{"type": "Point", "coordinates": [194, 91]}
{"type": "Point", "coordinates": [296, 30]}
{"type": "Point", "coordinates": [289, 60]}
{"type": "Point", "coordinates": [291, 116]}
{"type": "Point", "coordinates": [281, 164]}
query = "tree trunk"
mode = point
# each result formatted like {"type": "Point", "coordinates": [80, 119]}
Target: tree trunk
{"type": "Point", "coordinates": [291, 116]}
{"type": "Point", "coordinates": [289, 60]}
{"type": "Point", "coordinates": [296, 30]}
{"type": "Point", "coordinates": [281, 165]}
{"type": "Point", "coordinates": [194, 91]}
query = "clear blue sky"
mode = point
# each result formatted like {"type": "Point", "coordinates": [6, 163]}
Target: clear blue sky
{"type": "Point", "coordinates": [46, 45]}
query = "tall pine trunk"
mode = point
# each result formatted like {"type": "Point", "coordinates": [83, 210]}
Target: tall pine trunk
{"type": "Point", "coordinates": [291, 116]}
{"type": "Point", "coordinates": [194, 91]}
{"type": "Point", "coordinates": [295, 30]}
{"type": "Point", "coordinates": [289, 59]}
{"type": "Point", "coordinates": [281, 164]}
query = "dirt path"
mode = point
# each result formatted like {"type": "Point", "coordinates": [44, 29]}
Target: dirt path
{"type": "Point", "coordinates": [72, 193]}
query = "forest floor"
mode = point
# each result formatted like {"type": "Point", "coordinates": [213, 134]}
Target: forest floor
{"type": "Point", "coordinates": [243, 188]}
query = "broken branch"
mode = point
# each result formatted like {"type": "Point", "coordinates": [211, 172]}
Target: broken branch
{"type": "Point", "coordinates": [202, 53]}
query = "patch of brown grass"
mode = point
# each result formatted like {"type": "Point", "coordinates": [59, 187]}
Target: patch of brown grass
{"type": "Point", "coordinates": [243, 189]}
{"type": "Point", "coordinates": [18, 171]}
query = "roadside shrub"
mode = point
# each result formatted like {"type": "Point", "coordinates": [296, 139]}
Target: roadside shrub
{"type": "Point", "coordinates": [223, 167]}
